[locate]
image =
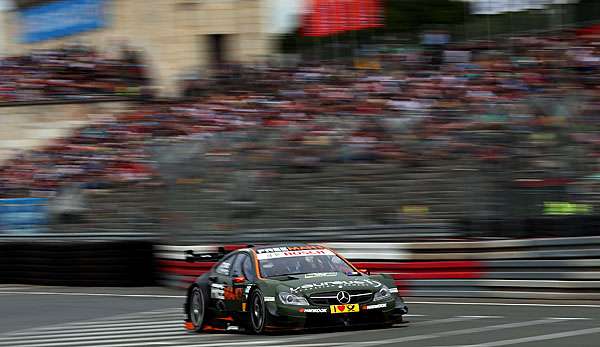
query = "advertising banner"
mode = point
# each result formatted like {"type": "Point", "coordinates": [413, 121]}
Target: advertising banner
{"type": "Point", "coordinates": [61, 18]}
{"type": "Point", "coordinates": [328, 17]}
{"type": "Point", "coordinates": [23, 215]}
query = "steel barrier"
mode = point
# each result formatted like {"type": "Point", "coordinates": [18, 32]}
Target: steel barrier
{"type": "Point", "coordinates": [552, 268]}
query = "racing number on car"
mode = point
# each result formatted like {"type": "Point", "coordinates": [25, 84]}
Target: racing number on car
{"type": "Point", "coordinates": [344, 308]}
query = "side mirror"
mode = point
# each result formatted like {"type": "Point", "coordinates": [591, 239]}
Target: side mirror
{"type": "Point", "coordinates": [239, 280]}
{"type": "Point", "coordinates": [365, 271]}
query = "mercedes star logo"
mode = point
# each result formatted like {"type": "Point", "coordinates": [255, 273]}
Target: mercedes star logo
{"type": "Point", "coordinates": [343, 297]}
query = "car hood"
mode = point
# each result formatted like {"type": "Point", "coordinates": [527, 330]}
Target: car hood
{"type": "Point", "coordinates": [308, 284]}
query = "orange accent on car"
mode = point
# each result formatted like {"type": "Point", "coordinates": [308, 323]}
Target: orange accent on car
{"type": "Point", "coordinates": [228, 318]}
{"type": "Point", "coordinates": [189, 326]}
{"type": "Point", "coordinates": [344, 259]}
{"type": "Point", "coordinates": [256, 267]}
{"type": "Point", "coordinates": [239, 279]}
{"type": "Point", "coordinates": [209, 328]}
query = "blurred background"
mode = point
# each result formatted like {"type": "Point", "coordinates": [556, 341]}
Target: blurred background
{"type": "Point", "coordinates": [269, 120]}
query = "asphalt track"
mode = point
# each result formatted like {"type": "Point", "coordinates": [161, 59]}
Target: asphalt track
{"type": "Point", "coordinates": [119, 317]}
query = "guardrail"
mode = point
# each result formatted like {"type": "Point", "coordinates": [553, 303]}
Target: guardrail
{"type": "Point", "coordinates": [553, 268]}
{"type": "Point", "coordinates": [377, 232]}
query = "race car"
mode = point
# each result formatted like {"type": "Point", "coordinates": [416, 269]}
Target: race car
{"type": "Point", "coordinates": [287, 287]}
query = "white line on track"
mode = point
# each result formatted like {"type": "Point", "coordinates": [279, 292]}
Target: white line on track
{"type": "Point", "coordinates": [131, 319]}
{"type": "Point", "coordinates": [109, 325]}
{"type": "Point", "coordinates": [453, 333]}
{"type": "Point", "coordinates": [177, 317]}
{"type": "Point", "coordinates": [84, 333]}
{"type": "Point", "coordinates": [536, 338]}
{"type": "Point", "coordinates": [99, 342]}
{"type": "Point", "coordinates": [481, 317]}
{"type": "Point", "coordinates": [446, 320]}
{"type": "Point", "coordinates": [498, 304]}
{"type": "Point", "coordinates": [69, 329]}
{"type": "Point", "coordinates": [238, 342]}
{"type": "Point", "coordinates": [358, 332]}
{"type": "Point", "coordinates": [124, 334]}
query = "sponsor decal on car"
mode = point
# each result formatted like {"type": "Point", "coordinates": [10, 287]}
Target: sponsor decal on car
{"type": "Point", "coordinates": [269, 299]}
{"type": "Point", "coordinates": [320, 274]}
{"type": "Point", "coordinates": [394, 290]}
{"type": "Point", "coordinates": [339, 284]}
{"type": "Point", "coordinates": [373, 307]}
{"type": "Point", "coordinates": [302, 253]}
{"type": "Point", "coordinates": [231, 293]}
{"type": "Point", "coordinates": [344, 308]}
{"type": "Point", "coordinates": [285, 249]}
{"type": "Point", "coordinates": [313, 310]}
{"type": "Point", "coordinates": [217, 291]}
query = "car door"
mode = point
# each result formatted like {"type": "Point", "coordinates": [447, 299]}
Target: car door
{"type": "Point", "coordinates": [219, 280]}
{"type": "Point", "coordinates": [237, 284]}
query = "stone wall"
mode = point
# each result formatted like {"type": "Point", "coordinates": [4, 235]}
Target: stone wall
{"type": "Point", "coordinates": [171, 33]}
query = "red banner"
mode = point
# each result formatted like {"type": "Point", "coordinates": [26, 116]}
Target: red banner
{"type": "Point", "coordinates": [327, 17]}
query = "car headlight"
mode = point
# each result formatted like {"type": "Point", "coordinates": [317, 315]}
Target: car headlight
{"type": "Point", "coordinates": [382, 294]}
{"type": "Point", "coordinates": [291, 299]}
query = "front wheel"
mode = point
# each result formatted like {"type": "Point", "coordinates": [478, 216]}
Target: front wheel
{"type": "Point", "coordinates": [197, 309]}
{"type": "Point", "coordinates": [258, 312]}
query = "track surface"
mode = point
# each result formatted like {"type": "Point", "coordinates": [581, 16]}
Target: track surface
{"type": "Point", "coordinates": [119, 317]}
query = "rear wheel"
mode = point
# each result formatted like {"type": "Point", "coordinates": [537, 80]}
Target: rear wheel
{"type": "Point", "coordinates": [197, 309]}
{"type": "Point", "coordinates": [258, 312]}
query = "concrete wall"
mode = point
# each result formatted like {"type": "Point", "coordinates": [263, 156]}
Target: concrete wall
{"type": "Point", "coordinates": [171, 33]}
{"type": "Point", "coordinates": [28, 127]}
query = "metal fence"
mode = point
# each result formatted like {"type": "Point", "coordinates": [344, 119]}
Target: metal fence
{"type": "Point", "coordinates": [252, 185]}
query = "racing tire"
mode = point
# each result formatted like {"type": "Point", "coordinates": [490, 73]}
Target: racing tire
{"type": "Point", "coordinates": [258, 313]}
{"type": "Point", "coordinates": [198, 310]}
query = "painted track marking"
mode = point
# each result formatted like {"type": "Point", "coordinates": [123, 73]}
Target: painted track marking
{"type": "Point", "coordinates": [499, 304]}
{"type": "Point", "coordinates": [536, 338]}
{"type": "Point", "coordinates": [453, 333]}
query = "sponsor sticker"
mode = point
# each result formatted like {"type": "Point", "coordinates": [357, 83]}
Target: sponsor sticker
{"type": "Point", "coordinates": [320, 274]}
{"type": "Point", "coordinates": [302, 253]}
{"type": "Point", "coordinates": [217, 291]}
{"type": "Point", "coordinates": [339, 284]}
{"type": "Point", "coordinates": [313, 310]}
{"type": "Point", "coordinates": [373, 307]}
{"type": "Point", "coordinates": [231, 293]}
{"type": "Point", "coordinates": [269, 299]}
{"type": "Point", "coordinates": [394, 290]}
{"type": "Point", "coordinates": [284, 249]}
{"type": "Point", "coordinates": [344, 308]}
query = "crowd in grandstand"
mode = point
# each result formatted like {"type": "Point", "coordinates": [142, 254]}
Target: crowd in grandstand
{"type": "Point", "coordinates": [528, 102]}
{"type": "Point", "coordinates": [75, 72]}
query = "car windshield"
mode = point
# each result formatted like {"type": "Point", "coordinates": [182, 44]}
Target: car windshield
{"type": "Point", "coordinates": [273, 265]}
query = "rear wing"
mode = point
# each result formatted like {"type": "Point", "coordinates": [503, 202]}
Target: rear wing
{"type": "Point", "coordinates": [191, 256]}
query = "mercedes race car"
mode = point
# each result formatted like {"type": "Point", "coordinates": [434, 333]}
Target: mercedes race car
{"type": "Point", "coordinates": [287, 287]}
